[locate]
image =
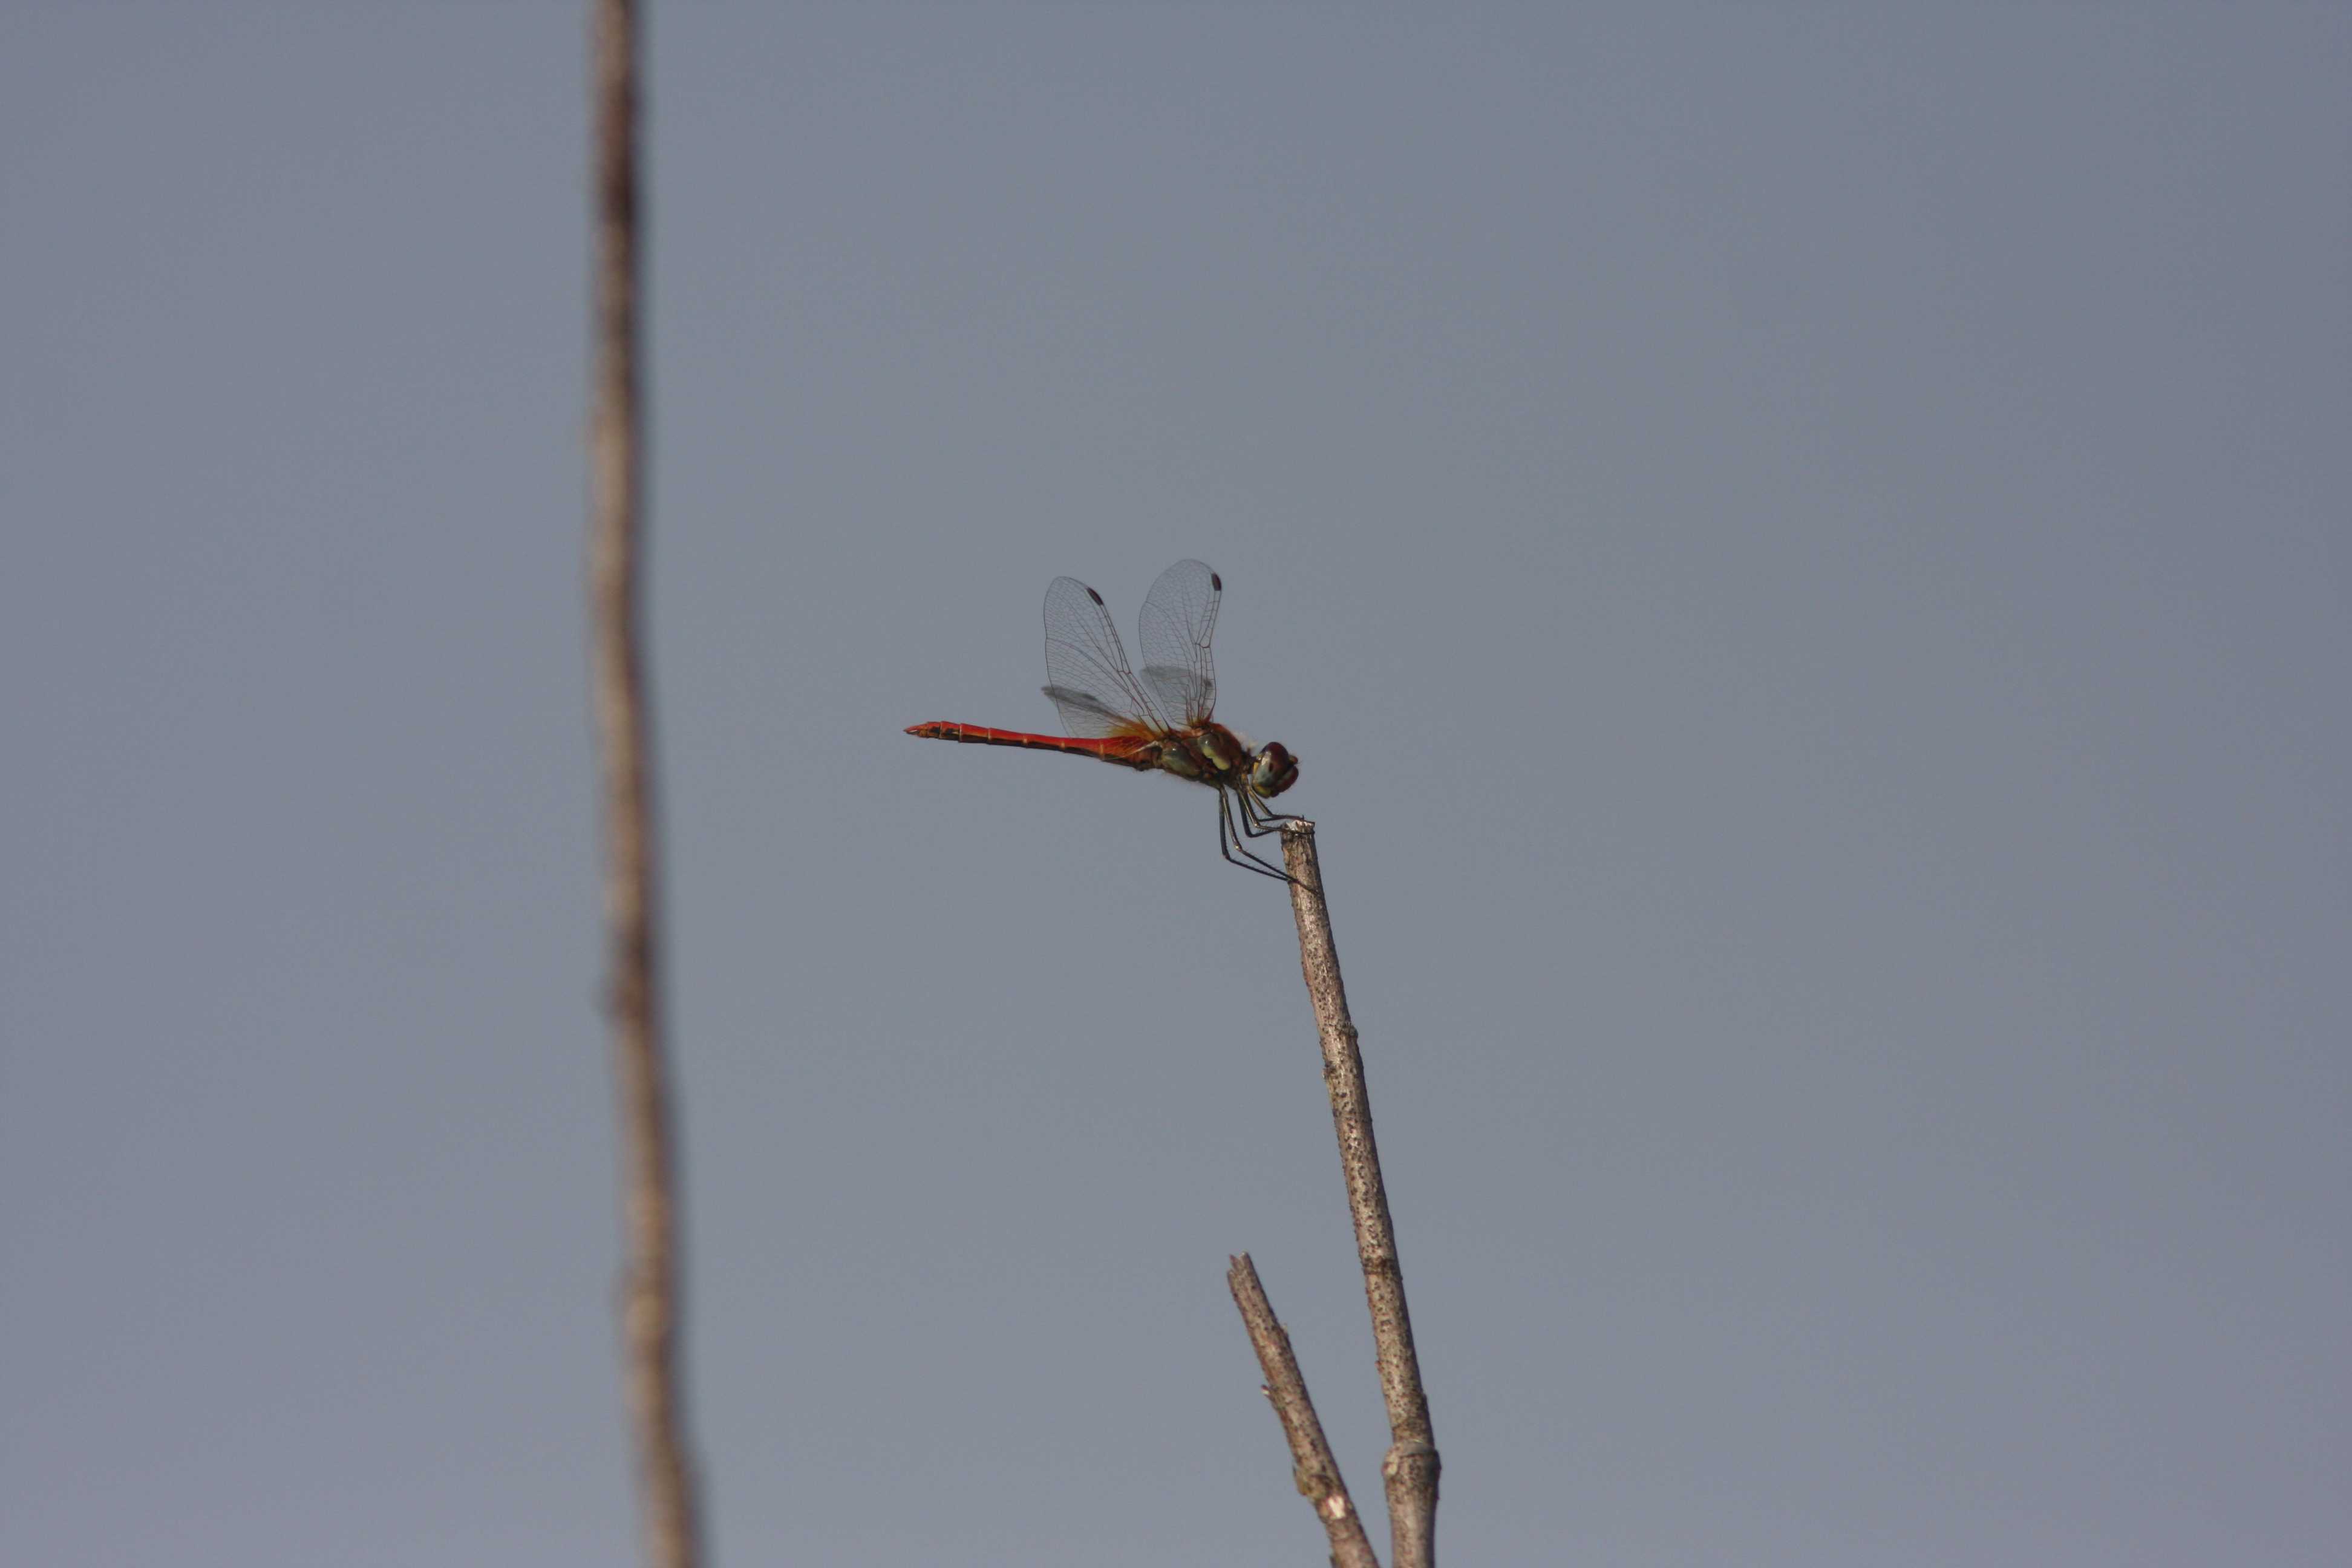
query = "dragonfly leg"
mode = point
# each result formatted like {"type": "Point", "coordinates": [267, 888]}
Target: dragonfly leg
{"type": "Point", "coordinates": [1229, 840]}
{"type": "Point", "coordinates": [1259, 819]}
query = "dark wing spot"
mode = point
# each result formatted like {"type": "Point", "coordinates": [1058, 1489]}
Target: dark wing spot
{"type": "Point", "coordinates": [1095, 596]}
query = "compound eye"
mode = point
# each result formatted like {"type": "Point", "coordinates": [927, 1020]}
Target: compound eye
{"type": "Point", "coordinates": [1273, 770]}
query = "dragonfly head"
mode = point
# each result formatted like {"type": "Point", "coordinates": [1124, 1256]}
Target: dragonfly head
{"type": "Point", "coordinates": [1273, 769]}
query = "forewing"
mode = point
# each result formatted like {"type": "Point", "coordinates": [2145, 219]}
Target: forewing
{"type": "Point", "coordinates": [1087, 671]}
{"type": "Point", "coordinates": [1180, 616]}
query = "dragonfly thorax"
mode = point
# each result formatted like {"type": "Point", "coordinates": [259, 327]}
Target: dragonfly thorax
{"type": "Point", "coordinates": [1213, 754]}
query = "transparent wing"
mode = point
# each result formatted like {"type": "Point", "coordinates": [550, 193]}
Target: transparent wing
{"type": "Point", "coordinates": [1087, 671]}
{"type": "Point", "coordinates": [1085, 714]}
{"type": "Point", "coordinates": [1180, 616]}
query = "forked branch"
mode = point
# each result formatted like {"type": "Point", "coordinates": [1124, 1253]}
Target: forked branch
{"type": "Point", "coordinates": [1409, 1471]}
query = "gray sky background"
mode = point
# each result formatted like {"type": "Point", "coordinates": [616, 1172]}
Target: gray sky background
{"type": "Point", "coordinates": [1805, 553]}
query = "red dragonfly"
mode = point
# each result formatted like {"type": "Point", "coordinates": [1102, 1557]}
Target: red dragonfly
{"type": "Point", "coordinates": [1162, 721]}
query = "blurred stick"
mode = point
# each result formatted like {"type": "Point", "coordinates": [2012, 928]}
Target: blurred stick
{"type": "Point", "coordinates": [649, 1295]}
{"type": "Point", "coordinates": [1312, 1467]}
{"type": "Point", "coordinates": [1409, 1469]}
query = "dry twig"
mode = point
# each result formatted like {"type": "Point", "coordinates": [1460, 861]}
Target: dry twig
{"type": "Point", "coordinates": [1312, 1467]}
{"type": "Point", "coordinates": [1409, 1469]}
{"type": "Point", "coordinates": [649, 1303]}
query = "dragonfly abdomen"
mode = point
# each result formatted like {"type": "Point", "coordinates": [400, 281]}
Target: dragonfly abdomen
{"type": "Point", "coordinates": [1128, 750]}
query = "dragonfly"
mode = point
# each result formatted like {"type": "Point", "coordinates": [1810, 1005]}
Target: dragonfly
{"type": "Point", "coordinates": [1164, 719]}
